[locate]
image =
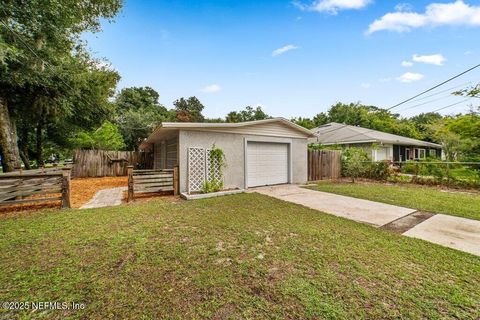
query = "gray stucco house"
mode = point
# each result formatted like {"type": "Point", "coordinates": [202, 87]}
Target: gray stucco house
{"type": "Point", "coordinates": [387, 146]}
{"type": "Point", "coordinates": [258, 153]}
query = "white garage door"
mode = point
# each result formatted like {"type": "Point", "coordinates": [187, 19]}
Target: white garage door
{"type": "Point", "coordinates": [267, 163]}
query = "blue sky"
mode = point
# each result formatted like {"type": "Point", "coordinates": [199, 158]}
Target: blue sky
{"type": "Point", "coordinates": [224, 52]}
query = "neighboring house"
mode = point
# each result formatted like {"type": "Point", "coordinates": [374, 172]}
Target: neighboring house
{"type": "Point", "coordinates": [381, 145]}
{"type": "Point", "coordinates": [263, 152]}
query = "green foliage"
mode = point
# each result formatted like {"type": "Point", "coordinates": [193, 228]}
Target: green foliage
{"type": "Point", "coordinates": [107, 137]}
{"type": "Point", "coordinates": [431, 171]}
{"type": "Point", "coordinates": [304, 122]}
{"type": "Point", "coordinates": [248, 114]}
{"type": "Point", "coordinates": [52, 86]}
{"type": "Point", "coordinates": [380, 170]}
{"type": "Point", "coordinates": [138, 112]}
{"type": "Point", "coordinates": [217, 161]}
{"type": "Point", "coordinates": [354, 163]}
{"type": "Point", "coordinates": [189, 110]}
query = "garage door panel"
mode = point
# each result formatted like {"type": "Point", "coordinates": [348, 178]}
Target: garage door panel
{"type": "Point", "coordinates": [267, 163]}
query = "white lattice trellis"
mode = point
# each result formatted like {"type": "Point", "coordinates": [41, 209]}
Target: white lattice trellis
{"type": "Point", "coordinates": [196, 169]}
{"type": "Point", "coordinates": [212, 167]}
{"type": "Point", "coordinates": [201, 168]}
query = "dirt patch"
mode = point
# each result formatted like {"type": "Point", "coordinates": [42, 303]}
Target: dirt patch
{"type": "Point", "coordinates": [407, 222]}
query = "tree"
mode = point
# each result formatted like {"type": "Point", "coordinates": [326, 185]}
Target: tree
{"type": "Point", "coordinates": [304, 122]}
{"type": "Point", "coordinates": [423, 123]}
{"type": "Point", "coordinates": [137, 113]}
{"type": "Point", "coordinates": [107, 137]}
{"type": "Point", "coordinates": [248, 114]}
{"type": "Point", "coordinates": [43, 64]}
{"type": "Point", "coordinates": [320, 119]}
{"type": "Point", "coordinates": [189, 110]}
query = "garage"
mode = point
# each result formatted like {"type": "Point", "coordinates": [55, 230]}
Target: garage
{"type": "Point", "coordinates": [256, 153]}
{"type": "Point", "coordinates": [267, 163]}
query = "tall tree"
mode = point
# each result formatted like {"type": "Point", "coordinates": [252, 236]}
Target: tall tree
{"type": "Point", "coordinates": [304, 122]}
{"type": "Point", "coordinates": [138, 112]}
{"type": "Point", "coordinates": [189, 110]}
{"type": "Point", "coordinates": [248, 114]}
{"type": "Point", "coordinates": [39, 49]}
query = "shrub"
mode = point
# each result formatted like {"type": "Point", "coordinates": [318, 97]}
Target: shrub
{"type": "Point", "coordinates": [354, 163]}
{"type": "Point", "coordinates": [380, 170]}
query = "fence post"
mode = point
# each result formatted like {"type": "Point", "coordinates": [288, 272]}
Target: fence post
{"type": "Point", "coordinates": [175, 181]}
{"type": "Point", "coordinates": [66, 203]}
{"type": "Point", "coordinates": [130, 183]}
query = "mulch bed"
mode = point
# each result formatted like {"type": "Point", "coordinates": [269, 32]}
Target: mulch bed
{"type": "Point", "coordinates": [83, 189]}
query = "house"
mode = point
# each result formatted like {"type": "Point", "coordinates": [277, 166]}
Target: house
{"type": "Point", "coordinates": [381, 145]}
{"type": "Point", "coordinates": [258, 153]}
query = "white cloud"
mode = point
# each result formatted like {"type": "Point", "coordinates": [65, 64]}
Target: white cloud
{"type": "Point", "coordinates": [436, 59]}
{"type": "Point", "coordinates": [366, 85]}
{"type": "Point", "coordinates": [332, 6]}
{"type": "Point", "coordinates": [410, 77]}
{"type": "Point", "coordinates": [456, 13]}
{"type": "Point", "coordinates": [468, 52]}
{"type": "Point", "coordinates": [284, 49]}
{"type": "Point", "coordinates": [404, 7]}
{"type": "Point", "coordinates": [407, 64]}
{"type": "Point", "coordinates": [213, 88]}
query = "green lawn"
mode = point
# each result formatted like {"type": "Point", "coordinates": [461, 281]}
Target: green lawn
{"type": "Point", "coordinates": [416, 197]}
{"type": "Point", "coordinates": [242, 256]}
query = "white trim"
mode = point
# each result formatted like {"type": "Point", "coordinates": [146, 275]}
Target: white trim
{"type": "Point", "coordinates": [183, 125]}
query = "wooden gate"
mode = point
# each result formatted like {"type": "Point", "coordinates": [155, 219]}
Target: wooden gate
{"type": "Point", "coordinates": [102, 163]}
{"type": "Point", "coordinates": [324, 164]}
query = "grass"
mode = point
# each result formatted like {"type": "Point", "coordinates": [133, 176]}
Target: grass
{"type": "Point", "coordinates": [242, 256]}
{"type": "Point", "coordinates": [424, 198]}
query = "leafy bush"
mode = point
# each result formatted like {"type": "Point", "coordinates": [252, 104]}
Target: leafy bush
{"type": "Point", "coordinates": [355, 163]}
{"type": "Point", "coordinates": [381, 170]}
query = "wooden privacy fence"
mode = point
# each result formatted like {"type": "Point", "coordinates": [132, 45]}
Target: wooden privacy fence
{"type": "Point", "coordinates": [324, 164]}
{"type": "Point", "coordinates": [150, 181]}
{"type": "Point", "coordinates": [102, 163]}
{"type": "Point", "coordinates": [18, 188]}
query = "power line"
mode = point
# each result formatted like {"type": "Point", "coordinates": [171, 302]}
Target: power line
{"type": "Point", "coordinates": [434, 87]}
{"type": "Point", "coordinates": [446, 90]}
{"type": "Point", "coordinates": [451, 105]}
{"type": "Point", "coordinates": [428, 90]}
{"type": "Point", "coordinates": [427, 102]}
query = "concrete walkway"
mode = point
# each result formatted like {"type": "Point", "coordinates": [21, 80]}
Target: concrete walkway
{"type": "Point", "coordinates": [454, 232]}
{"type": "Point", "coordinates": [106, 198]}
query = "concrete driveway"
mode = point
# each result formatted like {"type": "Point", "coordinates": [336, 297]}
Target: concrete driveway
{"type": "Point", "coordinates": [454, 232]}
{"type": "Point", "coordinates": [365, 211]}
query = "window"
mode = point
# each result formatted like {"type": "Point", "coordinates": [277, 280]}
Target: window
{"type": "Point", "coordinates": [408, 154]}
{"type": "Point", "coordinates": [420, 154]}
{"type": "Point", "coordinates": [432, 153]}
{"type": "Point", "coordinates": [423, 153]}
